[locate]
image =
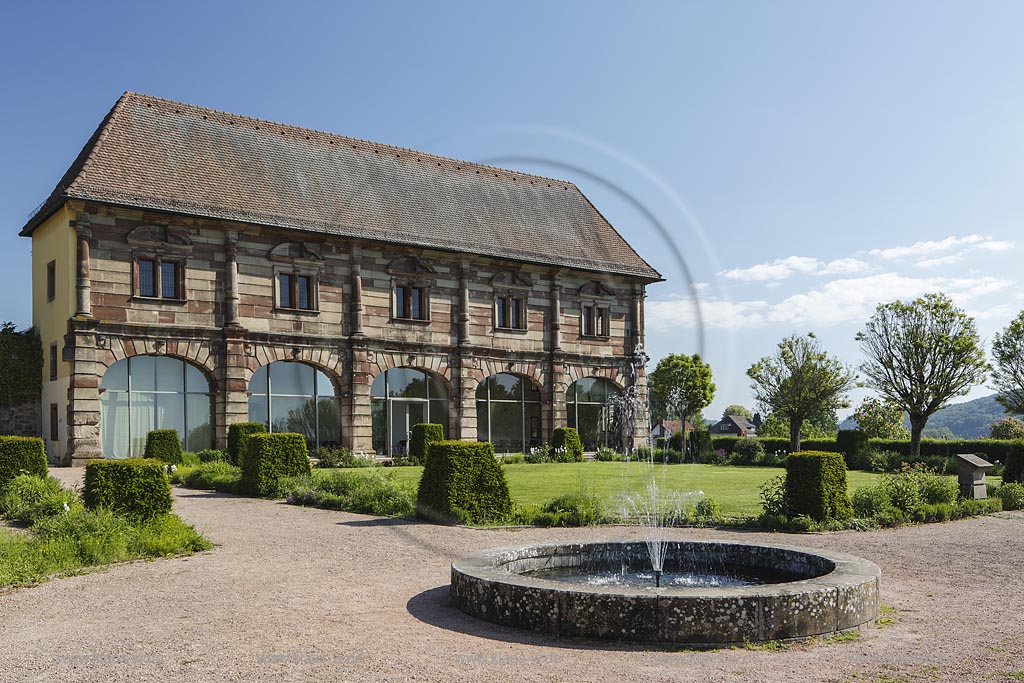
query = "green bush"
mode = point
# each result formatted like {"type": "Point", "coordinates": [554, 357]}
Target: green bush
{"type": "Point", "coordinates": [212, 455]}
{"type": "Point", "coordinates": [164, 445]}
{"type": "Point", "coordinates": [463, 476]}
{"type": "Point", "coordinates": [973, 508]}
{"type": "Point", "coordinates": [340, 457]}
{"type": "Point", "coordinates": [539, 455]}
{"type": "Point", "coordinates": [870, 501]}
{"type": "Point", "coordinates": [373, 493]}
{"type": "Point", "coordinates": [773, 496]}
{"type": "Point", "coordinates": [219, 476]}
{"type": "Point", "coordinates": [700, 447]}
{"type": "Point", "coordinates": [269, 458]}
{"type": "Point", "coordinates": [513, 459]}
{"type": "Point", "coordinates": [1011, 495]}
{"type": "Point", "coordinates": [136, 488]}
{"type": "Point", "coordinates": [238, 434]}
{"type": "Point", "coordinates": [747, 451]}
{"type": "Point", "coordinates": [29, 498]}
{"type": "Point", "coordinates": [816, 485]}
{"type": "Point", "coordinates": [420, 439]}
{"type": "Point", "coordinates": [934, 512]}
{"type": "Point", "coordinates": [939, 490]}
{"type": "Point", "coordinates": [707, 512]}
{"type": "Point", "coordinates": [605, 454]}
{"type": "Point", "coordinates": [1013, 461]}
{"type": "Point", "coordinates": [904, 489]}
{"type": "Point", "coordinates": [853, 444]}
{"type": "Point", "coordinates": [675, 440]}
{"type": "Point", "coordinates": [21, 455]}
{"type": "Point", "coordinates": [190, 459]}
{"type": "Point", "coordinates": [573, 509]}
{"type": "Point", "coordinates": [565, 441]}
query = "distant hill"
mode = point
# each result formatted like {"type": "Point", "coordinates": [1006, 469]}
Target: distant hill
{"type": "Point", "coordinates": [968, 420]}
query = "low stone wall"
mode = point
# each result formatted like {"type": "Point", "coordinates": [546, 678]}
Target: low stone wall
{"type": "Point", "coordinates": [824, 593]}
{"type": "Point", "coordinates": [25, 419]}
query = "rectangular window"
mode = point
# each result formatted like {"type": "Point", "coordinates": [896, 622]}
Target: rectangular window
{"type": "Point", "coordinates": [169, 280]}
{"type": "Point", "coordinates": [401, 296]}
{"type": "Point", "coordinates": [501, 312]}
{"type": "Point", "coordinates": [595, 321]}
{"type": "Point", "coordinates": [53, 361]}
{"type": "Point", "coordinates": [295, 292]}
{"type": "Point", "coordinates": [51, 280]}
{"type": "Point", "coordinates": [417, 312]}
{"type": "Point", "coordinates": [147, 278]}
{"type": "Point", "coordinates": [54, 432]}
{"type": "Point", "coordinates": [285, 288]}
{"type": "Point", "coordinates": [509, 313]}
{"type": "Point", "coordinates": [304, 299]}
{"type": "Point", "coordinates": [411, 303]}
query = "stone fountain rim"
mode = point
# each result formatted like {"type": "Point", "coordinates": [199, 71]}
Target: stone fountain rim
{"type": "Point", "coordinates": [486, 565]}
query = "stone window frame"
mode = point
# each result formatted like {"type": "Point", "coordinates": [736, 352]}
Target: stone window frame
{"type": "Point", "coordinates": [296, 259]}
{"type": "Point", "coordinates": [160, 244]}
{"type": "Point", "coordinates": [511, 287]}
{"type": "Point", "coordinates": [595, 311]}
{"type": "Point", "coordinates": [412, 273]}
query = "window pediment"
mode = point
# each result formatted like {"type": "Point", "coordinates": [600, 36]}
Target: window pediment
{"type": "Point", "coordinates": [509, 279]}
{"type": "Point", "coordinates": [160, 237]}
{"type": "Point", "coordinates": [297, 253]}
{"type": "Point", "coordinates": [595, 289]}
{"type": "Point", "coordinates": [409, 265]}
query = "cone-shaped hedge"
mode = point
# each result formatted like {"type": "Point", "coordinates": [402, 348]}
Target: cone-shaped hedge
{"type": "Point", "coordinates": [164, 445]}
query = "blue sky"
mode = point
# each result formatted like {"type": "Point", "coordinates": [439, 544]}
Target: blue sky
{"type": "Point", "coordinates": [807, 160]}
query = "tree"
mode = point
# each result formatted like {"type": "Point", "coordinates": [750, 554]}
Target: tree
{"type": "Point", "coordinates": [880, 419]}
{"type": "Point", "coordinates": [800, 381]}
{"type": "Point", "coordinates": [1007, 428]}
{"type": "Point", "coordinates": [1008, 375]}
{"type": "Point", "coordinates": [920, 355]}
{"type": "Point", "coordinates": [682, 384]}
{"type": "Point", "coordinates": [738, 411]}
{"type": "Point", "coordinates": [776, 426]}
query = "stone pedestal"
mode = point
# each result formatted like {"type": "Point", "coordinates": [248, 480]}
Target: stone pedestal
{"type": "Point", "coordinates": [972, 475]}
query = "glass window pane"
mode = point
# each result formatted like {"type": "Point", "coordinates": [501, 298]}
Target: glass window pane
{"type": "Point", "coordinates": [291, 379]}
{"type": "Point", "coordinates": [304, 299]}
{"type": "Point", "coordinates": [147, 278]}
{"type": "Point", "coordinates": [481, 391]}
{"type": "Point", "coordinates": [114, 424]}
{"type": "Point", "coordinates": [514, 313]}
{"type": "Point", "coordinates": [143, 373]}
{"type": "Point", "coordinates": [169, 374]}
{"type": "Point", "coordinates": [418, 311]}
{"type": "Point", "coordinates": [142, 421]}
{"type": "Point", "coordinates": [378, 417]}
{"type": "Point", "coordinates": [329, 410]}
{"type": "Point", "coordinates": [611, 391]}
{"type": "Point", "coordinates": [482, 421]}
{"type": "Point", "coordinates": [258, 383]}
{"type": "Point", "coordinates": [285, 291]}
{"type": "Point", "coordinates": [116, 376]}
{"type": "Point", "coordinates": [258, 409]}
{"type": "Point", "coordinates": [294, 414]}
{"type": "Point", "coordinates": [195, 380]}
{"type": "Point", "coordinates": [530, 392]}
{"type": "Point", "coordinates": [588, 390]}
{"type": "Point", "coordinates": [505, 387]}
{"type": "Point", "coordinates": [507, 427]}
{"type": "Point", "coordinates": [437, 387]}
{"type": "Point", "coordinates": [324, 385]}
{"type": "Point", "coordinates": [407, 383]}
{"type": "Point", "coordinates": [589, 426]}
{"type": "Point", "coordinates": [439, 414]}
{"type": "Point", "coordinates": [400, 302]}
{"type": "Point", "coordinates": [377, 388]}
{"type": "Point", "coordinates": [502, 312]}
{"type": "Point", "coordinates": [169, 280]}
{"type": "Point", "coordinates": [531, 414]}
{"type": "Point", "coordinates": [170, 412]}
{"type": "Point", "coordinates": [198, 412]}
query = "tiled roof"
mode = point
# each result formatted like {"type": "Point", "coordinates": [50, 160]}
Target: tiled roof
{"type": "Point", "coordinates": [157, 154]}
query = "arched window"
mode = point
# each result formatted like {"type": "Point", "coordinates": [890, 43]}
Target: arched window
{"type": "Point", "coordinates": [590, 404]}
{"type": "Point", "coordinates": [508, 413]}
{"type": "Point", "coordinates": [401, 398]}
{"type": "Point", "coordinates": [143, 393]}
{"type": "Point", "coordinates": [289, 396]}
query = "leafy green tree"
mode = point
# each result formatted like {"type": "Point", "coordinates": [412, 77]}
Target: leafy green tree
{"type": "Point", "coordinates": [1007, 428]}
{"type": "Point", "coordinates": [682, 384]}
{"type": "Point", "coordinates": [776, 426]}
{"type": "Point", "coordinates": [1008, 374]}
{"type": "Point", "coordinates": [800, 381]}
{"type": "Point", "coordinates": [738, 411]}
{"type": "Point", "coordinates": [880, 419]}
{"type": "Point", "coordinates": [920, 355]}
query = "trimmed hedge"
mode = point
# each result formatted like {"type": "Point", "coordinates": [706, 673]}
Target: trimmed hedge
{"type": "Point", "coordinates": [816, 486]}
{"type": "Point", "coordinates": [421, 437]}
{"type": "Point", "coordinates": [567, 439]}
{"type": "Point", "coordinates": [237, 435]}
{"type": "Point", "coordinates": [854, 445]}
{"type": "Point", "coordinates": [463, 481]}
{"type": "Point", "coordinates": [1013, 472]}
{"type": "Point", "coordinates": [269, 458]}
{"type": "Point", "coordinates": [164, 445]}
{"type": "Point", "coordinates": [135, 488]}
{"type": "Point", "coordinates": [21, 455]}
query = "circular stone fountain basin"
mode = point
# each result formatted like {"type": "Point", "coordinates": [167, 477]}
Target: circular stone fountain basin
{"type": "Point", "coordinates": [728, 592]}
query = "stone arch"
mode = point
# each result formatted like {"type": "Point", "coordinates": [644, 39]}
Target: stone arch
{"type": "Point", "coordinates": [328, 360]}
{"type": "Point", "coordinates": [437, 364]}
{"type": "Point", "coordinates": [613, 374]}
{"type": "Point", "coordinates": [199, 353]}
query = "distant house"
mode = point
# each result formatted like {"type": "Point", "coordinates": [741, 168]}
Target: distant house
{"type": "Point", "coordinates": [734, 425]}
{"type": "Point", "coordinates": [664, 429]}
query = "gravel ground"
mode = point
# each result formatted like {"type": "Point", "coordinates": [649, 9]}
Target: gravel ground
{"type": "Point", "coordinates": [294, 594]}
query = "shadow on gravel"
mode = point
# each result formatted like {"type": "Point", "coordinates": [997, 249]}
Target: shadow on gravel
{"type": "Point", "coordinates": [434, 607]}
{"type": "Point", "coordinates": [383, 521]}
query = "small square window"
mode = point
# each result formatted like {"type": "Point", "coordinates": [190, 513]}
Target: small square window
{"type": "Point", "coordinates": [296, 292]}
{"type": "Point", "coordinates": [509, 313]}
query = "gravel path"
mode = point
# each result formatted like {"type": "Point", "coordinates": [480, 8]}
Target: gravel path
{"type": "Point", "coordinates": [295, 594]}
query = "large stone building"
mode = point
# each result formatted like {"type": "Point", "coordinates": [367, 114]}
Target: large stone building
{"type": "Point", "coordinates": [194, 268]}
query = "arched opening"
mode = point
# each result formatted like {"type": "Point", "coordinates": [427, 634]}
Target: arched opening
{"type": "Point", "coordinates": [401, 398]}
{"type": "Point", "coordinates": [590, 408]}
{"type": "Point", "coordinates": [289, 396]}
{"type": "Point", "coordinates": [143, 393]}
{"type": "Point", "coordinates": [508, 413]}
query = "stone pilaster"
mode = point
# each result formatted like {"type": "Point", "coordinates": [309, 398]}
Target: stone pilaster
{"type": "Point", "coordinates": [357, 298]}
{"type": "Point", "coordinates": [232, 401]}
{"type": "Point", "coordinates": [465, 385]}
{"type": "Point", "coordinates": [83, 282]}
{"type": "Point", "coordinates": [231, 295]}
{"type": "Point", "coordinates": [357, 431]}
{"type": "Point", "coordinates": [83, 419]}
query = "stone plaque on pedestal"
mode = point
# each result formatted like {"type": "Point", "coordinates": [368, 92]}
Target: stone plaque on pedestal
{"type": "Point", "coordinates": [972, 475]}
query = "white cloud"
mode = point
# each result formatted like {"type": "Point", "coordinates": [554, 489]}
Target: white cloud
{"type": "Point", "coordinates": [843, 300]}
{"type": "Point", "coordinates": [922, 250]}
{"type": "Point", "coordinates": [940, 261]}
{"type": "Point", "coordinates": [781, 269]}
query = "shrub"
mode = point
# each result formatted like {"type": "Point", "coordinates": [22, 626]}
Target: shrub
{"type": "Point", "coordinates": [463, 476]}
{"type": "Point", "coordinates": [904, 489]}
{"type": "Point", "coordinates": [853, 444]}
{"type": "Point", "coordinates": [374, 493]}
{"type": "Point", "coordinates": [513, 459]}
{"type": "Point", "coordinates": [218, 475]}
{"type": "Point", "coordinates": [269, 458]}
{"type": "Point", "coordinates": [1012, 496]}
{"type": "Point", "coordinates": [212, 455]}
{"type": "Point", "coordinates": [802, 524]}
{"type": "Point", "coordinates": [538, 455]}
{"type": "Point", "coordinates": [1007, 428]}
{"type": "Point", "coordinates": [567, 445]}
{"type": "Point", "coordinates": [816, 485]}
{"type": "Point", "coordinates": [707, 511]}
{"type": "Point", "coordinates": [422, 436]}
{"type": "Point", "coordinates": [1013, 470]}
{"type": "Point", "coordinates": [746, 452]}
{"type": "Point", "coordinates": [675, 440]}
{"type": "Point", "coordinates": [164, 445]}
{"type": "Point", "coordinates": [700, 446]}
{"type": "Point", "coordinates": [341, 457]}
{"type": "Point", "coordinates": [238, 434]}
{"type": "Point", "coordinates": [136, 488]}
{"type": "Point", "coordinates": [773, 496]}
{"type": "Point", "coordinates": [605, 454]}
{"type": "Point", "coordinates": [934, 512]}
{"type": "Point", "coordinates": [870, 501]}
{"type": "Point", "coordinates": [984, 506]}
{"type": "Point", "coordinates": [29, 498]}
{"type": "Point", "coordinates": [21, 455]}
{"type": "Point", "coordinates": [938, 490]}
{"type": "Point", "coordinates": [190, 459]}
{"type": "Point", "coordinates": [574, 509]}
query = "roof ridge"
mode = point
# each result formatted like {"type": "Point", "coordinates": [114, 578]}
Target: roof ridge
{"type": "Point", "coordinates": [370, 143]}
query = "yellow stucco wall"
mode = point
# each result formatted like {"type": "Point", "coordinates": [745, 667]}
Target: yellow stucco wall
{"type": "Point", "coordinates": [54, 240]}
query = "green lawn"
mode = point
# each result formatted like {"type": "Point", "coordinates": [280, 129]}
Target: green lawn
{"type": "Point", "coordinates": [736, 488]}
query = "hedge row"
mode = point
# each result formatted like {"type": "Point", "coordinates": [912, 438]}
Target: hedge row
{"type": "Point", "coordinates": [463, 481]}
{"type": "Point", "coordinates": [21, 455]}
{"type": "Point", "coordinates": [136, 487]}
{"type": "Point", "coordinates": [238, 433]}
{"type": "Point", "coordinates": [269, 457]}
